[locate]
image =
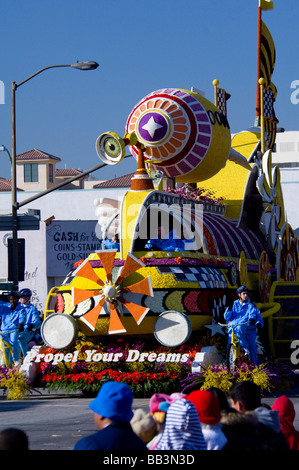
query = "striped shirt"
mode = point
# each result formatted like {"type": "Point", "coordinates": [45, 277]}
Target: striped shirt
{"type": "Point", "coordinates": [182, 428]}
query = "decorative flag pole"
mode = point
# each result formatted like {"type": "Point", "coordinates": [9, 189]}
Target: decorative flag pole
{"type": "Point", "coordinates": [221, 97]}
{"type": "Point", "coordinates": [259, 39]}
{"type": "Point", "coordinates": [216, 83]}
{"type": "Point", "coordinates": [263, 5]}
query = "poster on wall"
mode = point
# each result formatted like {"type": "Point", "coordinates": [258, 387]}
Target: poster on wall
{"type": "Point", "coordinates": [68, 242]}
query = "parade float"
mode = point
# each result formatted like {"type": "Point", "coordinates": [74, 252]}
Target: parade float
{"type": "Point", "coordinates": [204, 215]}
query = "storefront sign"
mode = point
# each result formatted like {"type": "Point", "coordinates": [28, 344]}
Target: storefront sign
{"type": "Point", "coordinates": [68, 242]}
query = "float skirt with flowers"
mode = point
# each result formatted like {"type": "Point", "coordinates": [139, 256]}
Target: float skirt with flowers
{"type": "Point", "coordinates": [144, 367]}
{"type": "Point", "coordinates": [147, 369]}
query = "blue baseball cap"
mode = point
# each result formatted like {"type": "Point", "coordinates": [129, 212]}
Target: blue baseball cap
{"type": "Point", "coordinates": [114, 401]}
{"type": "Point", "coordinates": [242, 289]}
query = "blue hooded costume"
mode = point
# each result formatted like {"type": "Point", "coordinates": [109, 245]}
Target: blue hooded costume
{"type": "Point", "coordinates": [31, 321]}
{"type": "Point", "coordinates": [241, 313]}
{"type": "Point", "coordinates": [10, 321]}
{"type": "Point", "coordinates": [169, 243]}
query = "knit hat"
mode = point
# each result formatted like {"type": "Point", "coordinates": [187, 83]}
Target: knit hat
{"type": "Point", "coordinates": [114, 401]}
{"type": "Point", "coordinates": [144, 425]}
{"type": "Point", "coordinates": [207, 406]}
{"type": "Point", "coordinates": [157, 398]}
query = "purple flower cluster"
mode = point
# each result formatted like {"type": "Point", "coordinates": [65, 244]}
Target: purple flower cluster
{"type": "Point", "coordinates": [4, 371]}
{"type": "Point", "coordinates": [199, 194]}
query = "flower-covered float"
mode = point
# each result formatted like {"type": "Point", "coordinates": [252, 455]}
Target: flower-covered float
{"type": "Point", "coordinates": [173, 283]}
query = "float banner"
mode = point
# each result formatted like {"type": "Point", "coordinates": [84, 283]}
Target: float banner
{"type": "Point", "coordinates": [92, 355]}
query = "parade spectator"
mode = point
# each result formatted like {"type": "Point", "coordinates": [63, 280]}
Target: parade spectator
{"type": "Point", "coordinates": [31, 320]}
{"type": "Point", "coordinates": [247, 318]}
{"type": "Point", "coordinates": [208, 409]}
{"type": "Point", "coordinates": [245, 396]}
{"type": "Point", "coordinates": [182, 428]}
{"type": "Point", "coordinates": [112, 415]}
{"type": "Point", "coordinates": [144, 425]}
{"type": "Point", "coordinates": [13, 439]}
{"type": "Point", "coordinates": [158, 405]}
{"type": "Point", "coordinates": [12, 319]}
{"type": "Point", "coordinates": [241, 431]}
{"type": "Point", "coordinates": [159, 412]}
{"type": "Point", "coordinates": [286, 414]}
{"type": "Point", "coordinates": [222, 398]}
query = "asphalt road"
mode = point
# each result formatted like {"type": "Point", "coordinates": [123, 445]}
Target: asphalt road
{"type": "Point", "coordinates": [57, 422]}
{"type": "Point", "coordinates": [52, 422]}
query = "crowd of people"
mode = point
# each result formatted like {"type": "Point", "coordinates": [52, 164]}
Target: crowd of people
{"type": "Point", "coordinates": [19, 325]}
{"type": "Point", "coordinates": [199, 420]}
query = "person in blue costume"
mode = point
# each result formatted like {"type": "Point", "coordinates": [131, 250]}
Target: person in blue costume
{"type": "Point", "coordinates": [12, 318]}
{"type": "Point", "coordinates": [112, 244]}
{"type": "Point", "coordinates": [243, 311]}
{"type": "Point", "coordinates": [31, 320]}
{"type": "Point", "coordinates": [112, 415]}
{"type": "Point", "coordinates": [165, 242]}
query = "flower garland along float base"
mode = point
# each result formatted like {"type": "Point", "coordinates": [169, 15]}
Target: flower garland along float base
{"type": "Point", "coordinates": [182, 254]}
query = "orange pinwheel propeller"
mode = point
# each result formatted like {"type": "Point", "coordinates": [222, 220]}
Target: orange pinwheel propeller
{"type": "Point", "coordinates": [85, 270]}
{"type": "Point", "coordinates": [91, 317]}
{"type": "Point", "coordinates": [112, 293]}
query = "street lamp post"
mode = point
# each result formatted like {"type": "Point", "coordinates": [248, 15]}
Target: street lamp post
{"type": "Point", "coordinates": [89, 65]}
{"type": "Point", "coordinates": [4, 149]}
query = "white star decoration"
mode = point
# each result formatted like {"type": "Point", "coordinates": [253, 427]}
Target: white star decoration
{"type": "Point", "coordinates": [151, 126]}
{"type": "Point", "coordinates": [215, 328]}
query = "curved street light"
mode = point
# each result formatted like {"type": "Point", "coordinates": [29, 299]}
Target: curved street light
{"type": "Point", "coordinates": [88, 65]}
{"type": "Point", "coordinates": [4, 149]}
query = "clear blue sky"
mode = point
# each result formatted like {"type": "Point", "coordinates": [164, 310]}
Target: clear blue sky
{"type": "Point", "coordinates": [141, 46]}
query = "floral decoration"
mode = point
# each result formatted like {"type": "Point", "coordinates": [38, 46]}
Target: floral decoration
{"type": "Point", "coordinates": [77, 263]}
{"type": "Point", "coordinates": [145, 378]}
{"type": "Point", "coordinates": [15, 382]}
{"type": "Point", "coordinates": [186, 191]}
{"type": "Point", "coordinates": [267, 376]}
